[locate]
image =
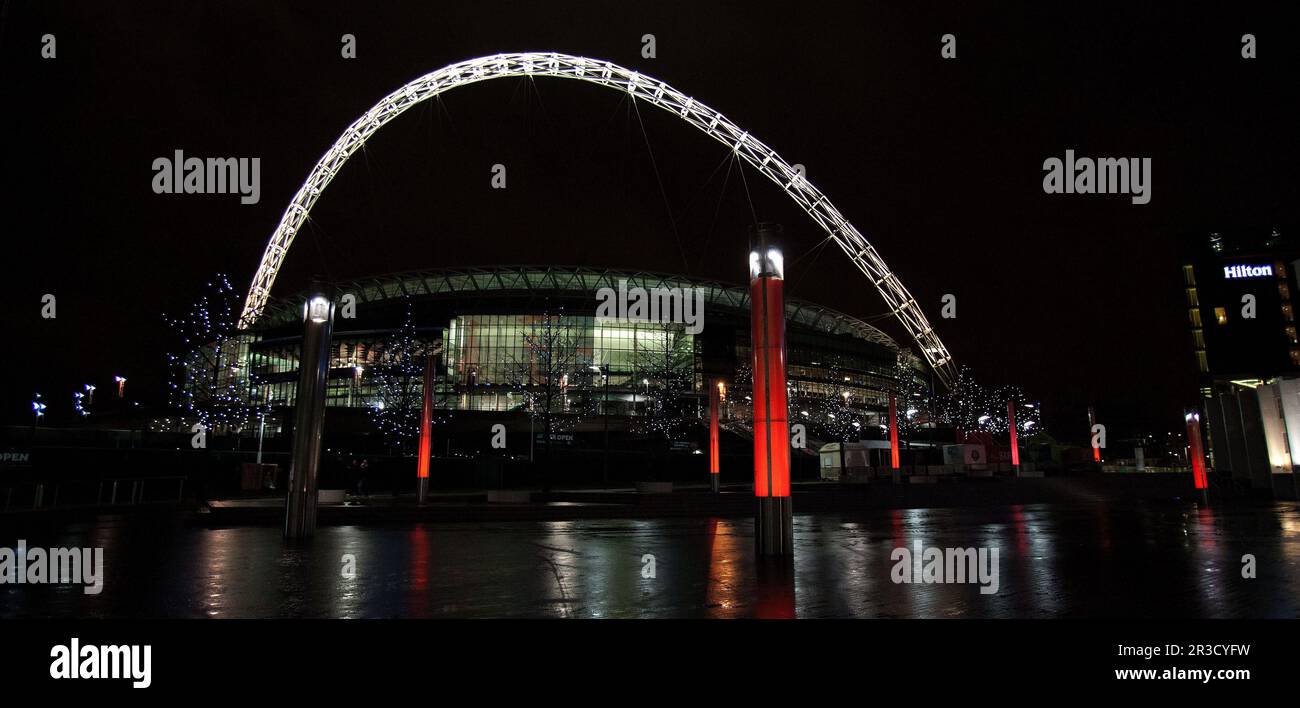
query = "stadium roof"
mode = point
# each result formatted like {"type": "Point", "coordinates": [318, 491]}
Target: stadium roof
{"type": "Point", "coordinates": [504, 280]}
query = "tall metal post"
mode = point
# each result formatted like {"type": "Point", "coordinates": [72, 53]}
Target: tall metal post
{"type": "Point", "coordinates": [426, 433]}
{"type": "Point", "coordinates": [261, 428]}
{"type": "Point", "coordinates": [309, 415]}
{"type": "Point", "coordinates": [774, 517]}
{"type": "Point", "coordinates": [605, 408]}
{"type": "Point", "coordinates": [1092, 423]}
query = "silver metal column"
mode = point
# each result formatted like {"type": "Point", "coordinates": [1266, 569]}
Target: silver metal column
{"type": "Point", "coordinates": [309, 416]}
{"type": "Point", "coordinates": [774, 526]}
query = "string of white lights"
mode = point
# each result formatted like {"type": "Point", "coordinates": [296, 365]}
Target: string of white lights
{"type": "Point", "coordinates": [657, 93]}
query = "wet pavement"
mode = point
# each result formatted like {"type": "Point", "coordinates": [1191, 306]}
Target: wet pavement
{"type": "Point", "coordinates": [1091, 560]}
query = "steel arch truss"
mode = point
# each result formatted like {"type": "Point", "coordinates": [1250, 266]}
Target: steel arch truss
{"type": "Point", "coordinates": [901, 303]}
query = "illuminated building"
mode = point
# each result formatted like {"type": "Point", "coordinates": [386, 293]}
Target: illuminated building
{"type": "Point", "coordinates": [1241, 312]}
{"type": "Point", "coordinates": [480, 323]}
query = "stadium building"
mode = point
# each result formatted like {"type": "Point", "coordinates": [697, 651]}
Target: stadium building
{"type": "Point", "coordinates": [513, 343]}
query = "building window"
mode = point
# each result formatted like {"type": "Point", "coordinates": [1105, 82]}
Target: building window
{"type": "Point", "coordinates": [1290, 334]}
{"type": "Point", "coordinates": [1295, 357]}
{"type": "Point", "coordinates": [1287, 313]}
{"type": "Point", "coordinates": [1189, 275]}
{"type": "Point", "coordinates": [1203, 363]}
{"type": "Point", "coordinates": [1284, 290]}
{"type": "Point", "coordinates": [1279, 269]}
{"type": "Point", "coordinates": [1198, 338]}
{"type": "Point", "coordinates": [1192, 300]}
{"type": "Point", "coordinates": [1221, 315]}
{"type": "Point", "coordinates": [1195, 316]}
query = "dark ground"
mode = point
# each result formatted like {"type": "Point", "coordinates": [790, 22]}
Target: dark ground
{"type": "Point", "coordinates": [1098, 559]}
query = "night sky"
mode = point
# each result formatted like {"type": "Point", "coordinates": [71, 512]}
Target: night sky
{"type": "Point", "coordinates": [1076, 298]}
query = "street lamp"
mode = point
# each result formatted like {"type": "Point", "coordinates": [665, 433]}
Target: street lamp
{"type": "Point", "coordinates": [121, 385]}
{"type": "Point", "coordinates": [261, 426]}
{"type": "Point", "coordinates": [90, 394]}
{"type": "Point", "coordinates": [309, 414]}
{"type": "Point", "coordinates": [318, 309]}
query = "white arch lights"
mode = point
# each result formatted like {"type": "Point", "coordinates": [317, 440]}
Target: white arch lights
{"type": "Point", "coordinates": [655, 92]}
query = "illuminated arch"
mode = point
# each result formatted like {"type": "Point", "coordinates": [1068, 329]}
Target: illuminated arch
{"type": "Point", "coordinates": [714, 124]}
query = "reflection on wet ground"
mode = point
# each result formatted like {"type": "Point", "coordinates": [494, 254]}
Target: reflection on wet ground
{"type": "Point", "coordinates": [1082, 561]}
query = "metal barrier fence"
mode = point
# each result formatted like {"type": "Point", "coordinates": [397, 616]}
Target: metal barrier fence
{"type": "Point", "coordinates": [102, 493]}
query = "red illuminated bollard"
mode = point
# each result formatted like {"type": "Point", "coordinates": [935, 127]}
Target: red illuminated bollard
{"type": "Point", "coordinates": [1196, 453]}
{"type": "Point", "coordinates": [1011, 423]}
{"type": "Point", "coordinates": [715, 400]}
{"type": "Point", "coordinates": [426, 433]}
{"type": "Point", "coordinates": [893, 434]}
{"type": "Point", "coordinates": [774, 517]}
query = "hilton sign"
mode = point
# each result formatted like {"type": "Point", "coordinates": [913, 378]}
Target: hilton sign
{"type": "Point", "coordinates": [1247, 271]}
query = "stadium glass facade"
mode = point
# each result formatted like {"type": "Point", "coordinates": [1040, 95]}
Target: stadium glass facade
{"type": "Point", "coordinates": [503, 336]}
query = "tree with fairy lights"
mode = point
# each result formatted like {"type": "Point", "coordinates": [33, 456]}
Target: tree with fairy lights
{"type": "Point", "coordinates": [839, 415]}
{"type": "Point", "coordinates": [742, 380]}
{"type": "Point", "coordinates": [663, 361]}
{"type": "Point", "coordinates": [397, 380]}
{"type": "Point", "coordinates": [208, 376]}
{"type": "Point", "coordinates": [554, 356]}
{"type": "Point", "coordinates": [912, 397]}
{"type": "Point", "coordinates": [1028, 418]}
{"type": "Point", "coordinates": [971, 407]}
{"type": "Point", "coordinates": [967, 406]}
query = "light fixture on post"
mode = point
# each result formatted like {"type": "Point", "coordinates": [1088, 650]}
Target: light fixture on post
{"type": "Point", "coordinates": [773, 529]}
{"type": "Point", "coordinates": [309, 415]}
